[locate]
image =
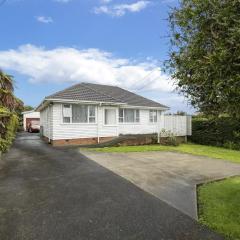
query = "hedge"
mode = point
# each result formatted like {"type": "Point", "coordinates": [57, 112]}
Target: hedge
{"type": "Point", "coordinates": [222, 131]}
{"type": "Point", "coordinates": [9, 124]}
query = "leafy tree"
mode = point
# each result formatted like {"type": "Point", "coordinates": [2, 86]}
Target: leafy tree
{"type": "Point", "coordinates": [27, 108]}
{"type": "Point", "coordinates": [181, 113]}
{"type": "Point", "coordinates": [205, 54]}
{"type": "Point", "coordinates": [7, 98]}
{"type": "Point", "coordinates": [10, 106]}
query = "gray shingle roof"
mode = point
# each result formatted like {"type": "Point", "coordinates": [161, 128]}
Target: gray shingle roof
{"type": "Point", "coordinates": [103, 93]}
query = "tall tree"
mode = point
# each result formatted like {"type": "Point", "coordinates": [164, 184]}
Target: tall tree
{"type": "Point", "coordinates": [7, 98]}
{"type": "Point", "coordinates": [10, 106]}
{"type": "Point", "coordinates": [205, 54]}
{"type": "Point", "coordinates": [27, 108]}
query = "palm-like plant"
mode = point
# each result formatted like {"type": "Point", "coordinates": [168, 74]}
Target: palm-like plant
{"type": "Point", "coordinates": [6, 81]}
{"type": "Point", "coordinates": [7, 98]}
{"type": "Point", "coordinates": [10, 106]}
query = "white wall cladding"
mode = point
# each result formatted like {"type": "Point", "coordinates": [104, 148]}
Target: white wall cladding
{"type": "Point", "coordinates": [80, 130]}
{"type": "Point", "coordinates": [144, 126]}
{"type": "Point", "coordinates": [46, 121]}
{"type": "Point", "coordinates": [53, 127]}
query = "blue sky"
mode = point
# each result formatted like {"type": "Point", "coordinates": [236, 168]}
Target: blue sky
{"type": "Point", "coordinates": [48, 45]}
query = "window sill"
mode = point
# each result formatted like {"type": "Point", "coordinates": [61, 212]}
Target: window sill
{"type": "Point", "coordinates": [109, 125]}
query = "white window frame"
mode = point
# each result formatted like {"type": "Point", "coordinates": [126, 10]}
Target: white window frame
{"type": "Point", "coordinates": [70, 113]}
{"type": "Point", "coordinates": [119, 115]}
{"type": "Point", "coordinates": [151, 116]}
{"type": "Point", "coordinates": [88, 122]}
{"type": "Point", "coordinates": [116, 117]}
{"type": "Point", "coordinates": [95, 114]}
{"type": "Point", "coordinates": [135, 114]}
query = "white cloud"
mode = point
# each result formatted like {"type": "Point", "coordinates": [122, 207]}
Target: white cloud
{"type": "Point", "coordinates": [65, 64]}
{"type": "Point", "coordinates": [121, 9]}
{"type": "Point", "coordinates": [105, 1]}
{"type": "Point", "coordinates": [44, 19]}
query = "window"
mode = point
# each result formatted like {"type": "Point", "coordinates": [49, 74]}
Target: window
{"type": "Point", "coordinates": [129, 115]}
{"type": "Point", "coordinates": [66, 119]}
{"type": "Point", "coordinates": [76, 113]}
{"type": "Point", "coordinates": [91, 114]}
{"type": "Point", "coordinates": [79, 113]}
{"type": "Point", "coordinates": [66, 113]}
{"type": "Point", "coordinates": [121, 115]}
{"type": "Point", "coordinates": [153, 116]}
{"type": "Point", "coordinates": [110, 116]}
{"type": "Point", "coordinates": [137, 116]}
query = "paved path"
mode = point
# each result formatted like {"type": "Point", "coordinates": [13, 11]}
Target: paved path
{"type": "Point", "coordinates": [58, 194]}
{"type": "Point", "coordinates": [170, 176]}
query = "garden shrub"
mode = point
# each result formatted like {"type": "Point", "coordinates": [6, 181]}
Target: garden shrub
{"type": "Point", "coordinates": [223, 131]}
{"type": "Point", "coordinates": [154, 138]}
{"type": "Point", "coordinates": [168, 138]}
{"type": "Point", "coordinates": [9, 125]}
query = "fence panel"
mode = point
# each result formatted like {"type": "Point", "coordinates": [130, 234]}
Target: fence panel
{"type": "Point", "coordinates": [178, 125]}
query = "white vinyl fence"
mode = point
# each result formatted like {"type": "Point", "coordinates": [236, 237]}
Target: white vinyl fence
{"type": "Point", "coordinates": [178, 125]}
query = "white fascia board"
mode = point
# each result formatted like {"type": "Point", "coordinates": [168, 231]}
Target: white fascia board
{"type": "Point", "coordinates": [82, 101]}
{"type": "Point", "coordinates": [28, 111]}
{"type": "Point", "coordinates": [41, 106]}
{"type": "Point", "coordinates": [46, 101]}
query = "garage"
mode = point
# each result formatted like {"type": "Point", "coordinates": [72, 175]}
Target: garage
{"type": "Point", "coordinates": [28, 117]}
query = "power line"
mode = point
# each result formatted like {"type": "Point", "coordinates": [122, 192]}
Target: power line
{"type": "Point", "coordinates": [144, 85]}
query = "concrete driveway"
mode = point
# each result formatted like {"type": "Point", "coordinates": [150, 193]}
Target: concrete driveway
{"type": "Point", "coordinates": [59, 194]}
{"type": "Point", "coordinates": [172, 177]}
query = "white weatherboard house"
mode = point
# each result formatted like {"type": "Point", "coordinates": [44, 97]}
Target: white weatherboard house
{"type": "Point", "coordinates": [91, 113]}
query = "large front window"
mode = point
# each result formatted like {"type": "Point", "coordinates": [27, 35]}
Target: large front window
{"type": "Point", "coordinates": [76, 113]}
{"type": "Point", "coordinates": [79, 113]}
{"type": "Point", "coordinates": [129, 115]}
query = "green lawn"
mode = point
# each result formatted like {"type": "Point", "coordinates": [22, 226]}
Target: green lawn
{"type": "Point", "coordinates": [219, 206]}
{"type": "Point", "coordinates": [209, 151]}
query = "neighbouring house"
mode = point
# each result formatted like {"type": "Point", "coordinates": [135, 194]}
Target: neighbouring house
{"type": "Point", "coordinates": [89, 113]}
{"type": "Point", "coordinates": [29, 116]}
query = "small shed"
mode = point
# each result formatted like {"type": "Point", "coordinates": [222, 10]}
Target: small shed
{"type": "Point", "coordinates": [30, 116]}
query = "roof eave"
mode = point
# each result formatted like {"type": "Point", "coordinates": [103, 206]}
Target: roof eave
{"type": "Point", "coordinates": [46, 102]}
{"type": "Point", "coordinates": [25, 112]}
{"type": "Point", "coordinates": [42, 105]}
{"type": "Point", "coordinates": [83, 101]}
